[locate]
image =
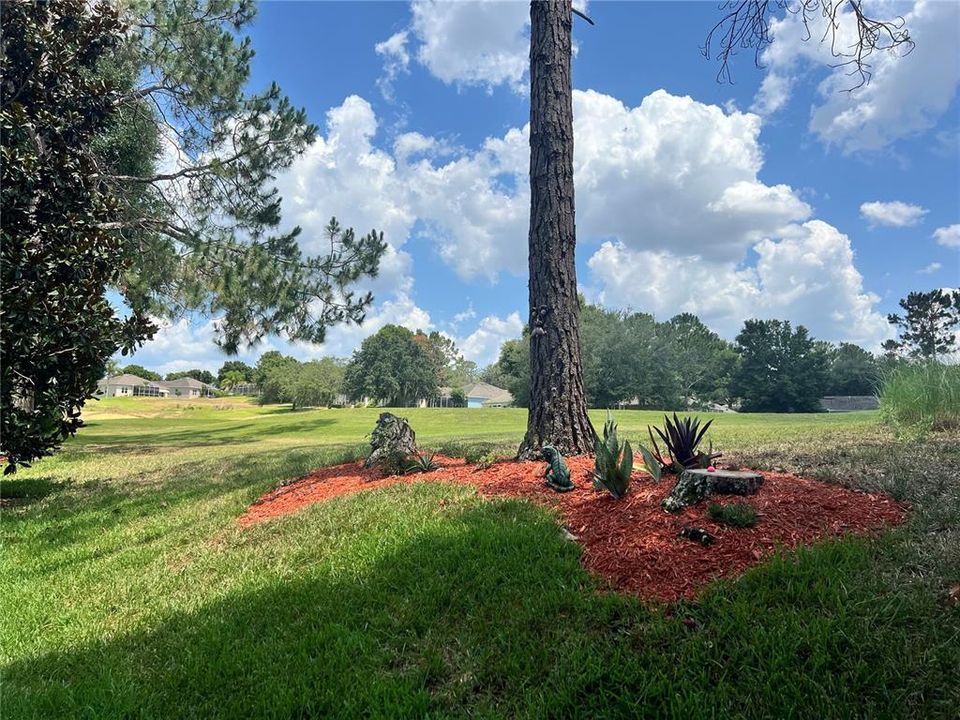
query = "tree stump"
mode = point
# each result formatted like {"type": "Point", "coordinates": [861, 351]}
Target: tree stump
{"type": "Point", "coordinates": [392, 438]}
{"type": "Point", "coordinates": [694, 486]}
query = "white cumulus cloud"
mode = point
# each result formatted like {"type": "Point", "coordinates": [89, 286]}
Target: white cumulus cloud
{"type": "Point", "coordinates": [483, 344]}
{"type": "Point", "coordinates": [894, 214]}
{"type": "Point", "coordinates": [906, 94]}
{"type": "Point", "coordinates": [806, 274]}
{"type": "Point", "coordinates": [948, 236]}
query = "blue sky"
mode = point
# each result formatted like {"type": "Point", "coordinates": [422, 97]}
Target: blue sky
{"type": "Point", "coordinates": [780, 195]}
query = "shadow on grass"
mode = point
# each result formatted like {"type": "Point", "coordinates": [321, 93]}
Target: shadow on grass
{"type": "Point", "coordinates": [399, 637]}
{"type": "Point", "coordinates": [489, 614]}
{"type": "Point", "coordinates": [27, 489]}
{"type": "Point", "coordinates": [205, 436]}
{"type": "Point", "coordinates": [94, 509]}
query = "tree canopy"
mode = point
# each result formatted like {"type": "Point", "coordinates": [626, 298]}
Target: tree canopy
{"type": "Point", "coordinates": [136, 160]}
{"type": "Point", "coordinates": [927, 328]}
{"type": "Point", "coordinates": [392, 365]}
{"type": "Point", "coordinates": [781, 369]}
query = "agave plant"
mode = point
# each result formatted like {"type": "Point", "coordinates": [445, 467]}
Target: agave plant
{"type": "Point", "coordinates": [422, 464]}
{"type": "Point", "coordinates": [614, 462]}
{"type": "Point", "coordinates": [682, 438]}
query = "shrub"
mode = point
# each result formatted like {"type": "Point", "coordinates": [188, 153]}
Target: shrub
{"type": "Point", "coordinates": [920, 397]}
{"type": "Point", "coordinates": [614, 462]}
{"type": "Point", "coordinates": [740, 515]}
{"type": "Point", "coordinates": [486, 460]}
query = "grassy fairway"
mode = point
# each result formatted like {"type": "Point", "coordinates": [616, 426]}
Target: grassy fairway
{"type": "Point", "coordinates": [128, 591]}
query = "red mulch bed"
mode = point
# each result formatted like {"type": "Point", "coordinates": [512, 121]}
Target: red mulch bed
{"type": "Point", "coordinates": [632, 543]}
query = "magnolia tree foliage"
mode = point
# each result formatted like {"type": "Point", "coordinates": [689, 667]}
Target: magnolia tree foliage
{"type": "Point", "coordinates": [57, 260]}
{"type": "Point", "coordinates": [135, 160]}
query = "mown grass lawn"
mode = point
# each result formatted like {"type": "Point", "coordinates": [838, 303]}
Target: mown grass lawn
{"type": "Point", "coordinates": [127, 589]}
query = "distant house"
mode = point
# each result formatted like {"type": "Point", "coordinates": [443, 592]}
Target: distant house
{"type": "Point", "coordinates": [848, 403]}
{"type": "Point", "coordinates": [187, 387]}
{"type": "Point", "coordinates": [479, 394]}
{"type": "Point", "coordinates": [127, 385]}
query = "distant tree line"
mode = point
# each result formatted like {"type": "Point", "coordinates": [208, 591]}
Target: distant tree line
{"type": "Point", "coordinates": [629, 359]}
{"type": "Point", "coordinates": [632, 359]}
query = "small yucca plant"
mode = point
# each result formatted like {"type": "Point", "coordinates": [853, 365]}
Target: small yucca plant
{"type": "Point", "coordinates": [614, 462]}
{"type": "Point", "coordinates": [422, 464]}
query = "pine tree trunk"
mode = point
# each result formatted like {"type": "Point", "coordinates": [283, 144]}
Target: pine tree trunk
{"type": "Point", "coordinates": [558, 408]}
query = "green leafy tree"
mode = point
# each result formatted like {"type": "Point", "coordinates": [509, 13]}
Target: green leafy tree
{"type": "Point", "coordinates": [56, 261]}
{"type": "Point", "coordinates": [315, 383]}
{"type": "Point", "coordinates": [781, 369]}
{"type": "Point", "coordinates": [136, 160]}
{"type": "Point", "coordinates": [204, 376]}
{"type": "Point", "coordinates": [246, 372]}
{"type": "Point", "coordinates": [450, 367]}
{"type": "Point", "coordinates": [141, 371]}
{"type": "Point", "coordinates": [852, 371]}
{"type": "Point", "coordinates": [274, 376]}
{"type": "Point", "coordinates": [512, 370]}
{"type": "Point", "coordinates": [391, 365]}
{"type": "Point", "coordinates": [623, 360]}
{"type": "Point", "coordinates": [458, 398]}
{"type": "Point", "coordinates": [927, 329]}
{"type": "Point", "coordinates": [231, 379]}
{"type": "Point", "coordinates": [702, 361]}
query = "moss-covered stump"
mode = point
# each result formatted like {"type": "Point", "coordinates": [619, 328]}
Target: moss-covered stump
{"type": "Point", "coordinates": [694, 486]}
{"type": "Point", "coordinates": [392, 438]}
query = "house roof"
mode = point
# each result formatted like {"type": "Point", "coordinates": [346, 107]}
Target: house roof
{"type": "Point", "coordinates": [185, 382]}
{"type": "Point", "coordinates": [488, 394]}
{"type": "Point", "coordinates": [125, 379]}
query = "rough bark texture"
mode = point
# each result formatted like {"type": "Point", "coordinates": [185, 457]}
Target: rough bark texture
{"type": "Point", "coordinates": [391, 439]}
{"type": "Point", "coordinates": [694, 486]}
{"type": "Point", "coordinates": [558, 407]}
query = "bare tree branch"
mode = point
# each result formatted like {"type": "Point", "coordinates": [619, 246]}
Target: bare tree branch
{"type": "Point", "coordinates": [746, 25]}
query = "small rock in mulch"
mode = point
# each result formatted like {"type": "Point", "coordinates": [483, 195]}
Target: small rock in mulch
{"type": "Point", "coordinates": [632, 543]}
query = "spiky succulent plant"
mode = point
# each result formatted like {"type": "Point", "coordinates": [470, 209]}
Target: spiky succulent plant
{"type": "Point", "coordinates": [682, 438]}
{"type": "Point", "coordinates": [614, 462]}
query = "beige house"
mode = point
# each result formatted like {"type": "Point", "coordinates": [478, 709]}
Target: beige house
{"type": "Point", "coordinates": [187, 387]}
{"type": "Point", "coordinates": [127, 385]}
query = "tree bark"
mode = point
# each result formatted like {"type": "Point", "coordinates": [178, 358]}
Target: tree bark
{"type": "Point", "coordinates": [558, 408]}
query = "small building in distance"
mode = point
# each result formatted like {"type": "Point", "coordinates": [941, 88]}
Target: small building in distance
{"type": "Point", "coordinates": [478, 394]}
{"type": "Point", "coordinates": [849, 403]}
{"type": "Point", "coordinates": [187, 387]}
{"type": "Point", "coordinates": [127, 385]}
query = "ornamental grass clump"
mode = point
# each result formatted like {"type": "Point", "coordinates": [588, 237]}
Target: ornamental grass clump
{"type": "Point", "coordinates": [614, 462]}
{"type": "Point", "coordinates": [917, 398]}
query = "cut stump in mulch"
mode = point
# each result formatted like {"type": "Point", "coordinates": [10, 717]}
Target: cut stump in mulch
{"type": "Point", "coordinates": [632, 543]}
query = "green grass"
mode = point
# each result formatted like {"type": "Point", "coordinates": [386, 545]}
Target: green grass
{"type": "Point", "coordinates": [127, 590]}
{"type": "Point", "coordinates": [919, 397]}
{"type": "Point", "coordinates": [739, 515]}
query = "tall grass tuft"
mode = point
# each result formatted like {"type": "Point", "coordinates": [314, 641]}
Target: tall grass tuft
{"type": "Point", "coordinates": [920, 397]}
